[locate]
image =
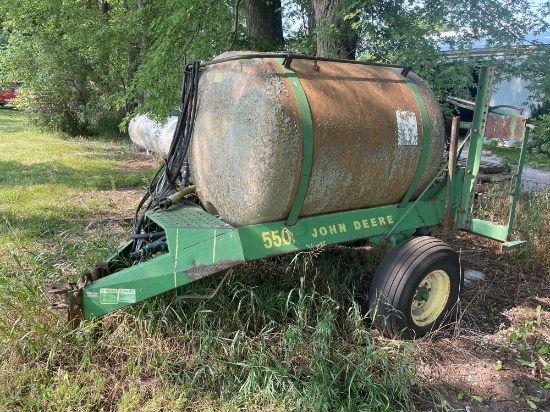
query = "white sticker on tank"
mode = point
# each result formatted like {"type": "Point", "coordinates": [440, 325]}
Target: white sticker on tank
{"type": "Point", "coordinates": [407, 128]}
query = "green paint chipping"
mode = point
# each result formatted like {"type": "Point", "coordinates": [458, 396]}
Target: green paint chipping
{"type": "Point", "coordinates": [273, 238]}
{"type": "Point", "coordinates": [191, 235]}
{"type": "Point", "coordinates": [307, 138]}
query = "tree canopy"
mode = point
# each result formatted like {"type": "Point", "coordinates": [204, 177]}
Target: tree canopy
{"type": "Point", "coordinates": [86, 64]}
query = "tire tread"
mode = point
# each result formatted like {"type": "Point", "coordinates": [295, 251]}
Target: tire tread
{"type": "Point", "coordinates": [392, 275]}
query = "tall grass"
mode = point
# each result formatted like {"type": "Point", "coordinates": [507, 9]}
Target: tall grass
{"type": "Point", "coordinates": [282, 334]}
{"type": "Point", "coordinates": [267, 341]}
{"type": "Point", "coordinates": [533, 224]}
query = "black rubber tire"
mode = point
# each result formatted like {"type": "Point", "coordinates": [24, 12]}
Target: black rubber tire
{"type": "Point", "coordinates": [398, 278]}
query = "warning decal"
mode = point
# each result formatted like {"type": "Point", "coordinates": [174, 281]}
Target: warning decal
{"type": "Point", "coordinates": [116, 296]}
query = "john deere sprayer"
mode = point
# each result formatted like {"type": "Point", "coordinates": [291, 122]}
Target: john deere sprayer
{"type": "Point", "coordinates": [280, 153]}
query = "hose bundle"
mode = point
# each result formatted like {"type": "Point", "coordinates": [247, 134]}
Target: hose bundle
{"type": "Point", "coordinates": [174, 172]}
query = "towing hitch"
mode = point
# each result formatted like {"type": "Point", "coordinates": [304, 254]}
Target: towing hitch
{"type": "Point", "coordinates": [72, 301]}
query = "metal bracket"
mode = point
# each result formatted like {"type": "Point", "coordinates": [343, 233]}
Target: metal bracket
{"type": "Point", "coordinates": [426, 139]}
{"type": "Point", "coordinates": [98, 270]}
{"type": "Point", "coordinates": [58, 306]}
{"type": "Point", "coordinates": [448, 221]}
{"type": "Point", "coordinates": [287, 61]}
{"type": "Point", "coordinates": [72, 301]}
{"type": "Point", "coordinates": [61, 288]}
{"type": "Point", "coordinates": [75, 308]}
{"type": "Point", "coordinates": [511, 245]}
{"type": "Point", "coordinates": [307, 138]}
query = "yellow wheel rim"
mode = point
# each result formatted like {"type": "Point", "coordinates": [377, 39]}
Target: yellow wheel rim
{"type": "Point", "coordinates": [430, 298]}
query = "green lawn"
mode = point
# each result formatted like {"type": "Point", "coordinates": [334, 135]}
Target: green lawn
{"type": "Point", "coordinates": [48, 182]}
{"type": "Point", "coordinates": [510, 155]}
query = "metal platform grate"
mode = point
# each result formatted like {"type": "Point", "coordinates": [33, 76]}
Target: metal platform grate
{"type": "Point", "coordinates": [184, 216]}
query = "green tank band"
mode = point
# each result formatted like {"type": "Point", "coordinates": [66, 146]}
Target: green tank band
{"type": "Point", "coordinates": [307, 141]}
{"type": "Point", "coordinates": [426, 137]}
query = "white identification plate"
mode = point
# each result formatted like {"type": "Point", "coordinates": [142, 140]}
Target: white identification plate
{"type": "Point", "coordinates": [407, 128]}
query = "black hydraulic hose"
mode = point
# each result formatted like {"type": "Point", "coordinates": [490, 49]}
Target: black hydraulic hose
{"type": "Point", "coordinates": [142, 236]}
{"type": "Point", "coordinates": [172, 176]}
{"type": "Point", "coordinates": [184, 130]}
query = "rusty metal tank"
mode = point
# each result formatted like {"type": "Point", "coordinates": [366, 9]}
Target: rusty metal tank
{"type": "Point", "coordinates": [369, 127]}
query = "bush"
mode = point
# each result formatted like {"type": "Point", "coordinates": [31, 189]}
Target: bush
{"type": "Point", "coordinates": [70, 107]}
{"type": "Point", "coordinates": [541, 135]}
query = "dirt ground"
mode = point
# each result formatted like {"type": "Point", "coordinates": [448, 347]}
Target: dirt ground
{"type": "Point", "coordinates": [493, 356]}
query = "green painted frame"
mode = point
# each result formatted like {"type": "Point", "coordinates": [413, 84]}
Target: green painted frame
{"type": "Point", "coordinates": [467, 190]}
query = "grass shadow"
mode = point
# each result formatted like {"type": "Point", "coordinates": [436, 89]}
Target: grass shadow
{"type": "Point", "coordinates": [99, 177]}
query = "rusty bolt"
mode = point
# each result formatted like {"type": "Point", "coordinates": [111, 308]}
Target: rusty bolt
{"type": "Point", "coordinates": [468, 172]}
{"type": "Point", "coordinates": [75, 296]}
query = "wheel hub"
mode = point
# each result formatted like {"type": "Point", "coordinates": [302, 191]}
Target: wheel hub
{"type": "Point", "coordinates": [430, 298]}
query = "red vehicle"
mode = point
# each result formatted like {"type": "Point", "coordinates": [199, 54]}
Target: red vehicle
{"type": "Point", "coordinates": [7, 93]}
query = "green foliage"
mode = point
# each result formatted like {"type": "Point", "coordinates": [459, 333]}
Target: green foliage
{"type": "Point", "coordinates": [298, 26]}
{"type": "Point", "coordinates": [3, 39]}
{"type": "Point", "coordinates": [411, 34]}
{"type": "Point", "coordinates": [178, 33]}
{"type": "Point", "coordinates": [541, 135]}
{"type": "Point", "coordinates": [529, 343]}
{"type": "Point", "coordinates": [85, 68]}
{"type": "Point", "coordinates": [70, 60]}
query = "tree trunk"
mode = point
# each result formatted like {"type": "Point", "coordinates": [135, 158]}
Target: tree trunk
{"type": "Point", "coordinates": [265, 24]}
{"type": "Point", "coordinates": [103, 7]}
{"type": "Point", "coordinates": [335, 36]}
{"type": "Point", "coordinates": [133, 57]}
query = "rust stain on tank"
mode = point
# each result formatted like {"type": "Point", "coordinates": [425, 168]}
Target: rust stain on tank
{"type": "Point", "coordinates": [246, 152]}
